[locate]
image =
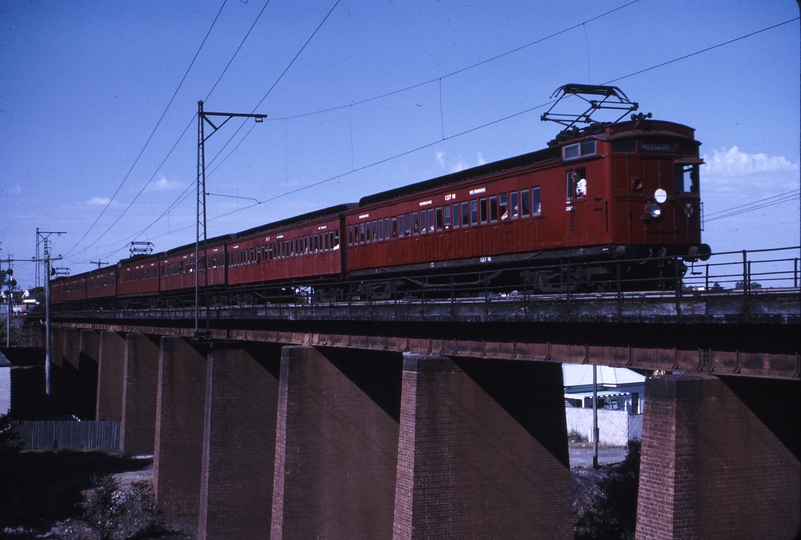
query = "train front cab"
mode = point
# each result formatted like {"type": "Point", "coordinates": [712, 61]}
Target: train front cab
{"type": "Point", "coordinates": [655, 189]}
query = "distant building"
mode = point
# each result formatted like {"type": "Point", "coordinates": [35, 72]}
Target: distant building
{"type": "Point", "coordinates": [620, 399]}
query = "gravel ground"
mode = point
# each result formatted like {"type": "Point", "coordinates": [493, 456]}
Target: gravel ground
{"type": "Point", "coordinates": [582, 456]}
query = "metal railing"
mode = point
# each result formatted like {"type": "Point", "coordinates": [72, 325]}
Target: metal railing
{"type": "Point", "coordinates": [735, 273]}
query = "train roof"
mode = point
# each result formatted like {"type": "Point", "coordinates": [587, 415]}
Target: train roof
{"type": "Point", "coordinates": [516, 162]}
{"type": "Point", "coordinates": [331, 211]}
{"type": "Point", "coordinates": [639, 126]}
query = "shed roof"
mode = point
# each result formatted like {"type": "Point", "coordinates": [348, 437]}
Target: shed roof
{"type": "Point", "coordinates": [608, 377]}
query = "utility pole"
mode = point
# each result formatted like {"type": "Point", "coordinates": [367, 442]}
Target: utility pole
{"type": "Point", "coordinates": [45, 242]}
{"type": "Point", "coordinates": [203, 118]}
{"type": "Point", "coordinates": [595, 430]}
{"type": "Point", "coordinates": [98, 263]}
{"type": "Point", "coordinates": [10, 282]}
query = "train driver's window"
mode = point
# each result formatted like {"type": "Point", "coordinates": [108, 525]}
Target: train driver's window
{"type": "Point", "coordinates": [685, 178]}
{"type": "Point", "coordinates": [502, 208]}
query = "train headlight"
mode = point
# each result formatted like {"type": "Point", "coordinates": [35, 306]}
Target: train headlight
{"type": "Point", "coordinates": [654, 211]}
{"type": "Point", "coordinates": [660, 196]}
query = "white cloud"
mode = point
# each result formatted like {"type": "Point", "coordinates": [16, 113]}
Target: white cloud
{"type": "Point", "coordinates": [162, 184]}
{"type": "Point", "coordinates": [734, 161]}
{"type": "Point", "coordinates": [98, 201]}
{"type": "Point", "coordinates": [460, 164]}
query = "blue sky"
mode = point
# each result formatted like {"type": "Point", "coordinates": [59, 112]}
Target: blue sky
{"type": "Point", "coordinates": [362, 96]}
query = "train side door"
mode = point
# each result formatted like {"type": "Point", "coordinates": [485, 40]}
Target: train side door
{"type": "Point", "coordinates": [584, 207]}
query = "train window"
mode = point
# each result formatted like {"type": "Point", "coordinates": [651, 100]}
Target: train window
{"type": "Point", "coordinates": [415, 223]}
{"type": "Point", "coordinates": [335, 234]}
{"type": "Point", "coordinates": [493, 208]}
{"type": "Point", "coordinates": [456, 218]}
{"type": "Point", "coordinates": [423, 225]}
{"type": "Point", "coordinates": [570, 183]}
{"type": "Point", "coordinates": [626, 145]}
{"type": "Point", "coordinates": [514, 205]}
{"type": "Point", "coordinates": [401, 226]}
{"type": "Point", "coordinates": [408, 223]}
{"type": "Point", "coordinates": [465, 214]}
{"type": "Point", "coordinates": [502, 208]}
{"type": "Point", "coordinates": [482, 205]}
{"type": "Point", "coordinates": [350, 235]}
{"type": "Point", "coordinates": [431, 219]}
{"type": "Point", "coordinates": [369, 232]}
{"type": "Point", "coordinates": [535, 201]}
{"type": "Point", "coordinates": [473, 212]}
{"type": "Point", "coordinates": [375, 231]}
{"type": "Point", "coordinates": [361, 233]}
{"type": "Point", "coordinates": [685, 178]}
{"type": "Point", "coordinates": [386, 228]}
{"type": "Point", "coordinates": [575, 151]}
{"type": "Point", "coordinates": [525, 203]}
{"type": "Point", "coordinates": [447, 210]}
{"type": "Point", "coordinates": [394, 227]}
{"type": "Point", "coordinates": [380, 229]}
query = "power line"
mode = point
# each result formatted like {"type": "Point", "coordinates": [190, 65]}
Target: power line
{"type": "Point", "coordinates": [753, 206]}
{"type": "Point", "coordinates": [184, 195]}
{"type": "Point", "coordinates": [147, 142]}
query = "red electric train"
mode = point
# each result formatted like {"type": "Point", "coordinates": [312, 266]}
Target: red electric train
{"type": "Point", "coordinates": [612, 197]}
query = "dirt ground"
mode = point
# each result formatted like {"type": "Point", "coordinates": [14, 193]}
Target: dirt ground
{"type": "Point", "coordinates": [45, 495]}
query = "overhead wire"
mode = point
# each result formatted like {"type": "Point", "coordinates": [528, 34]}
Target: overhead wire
{"type": "Point", "coordinates": [781, 198]}
{"type": "Point", "coordinates": [147, 143]}
{"type": "Point", "coordinates": [475, 128]}
{"type": "Point", "coordinates": [461, 70]}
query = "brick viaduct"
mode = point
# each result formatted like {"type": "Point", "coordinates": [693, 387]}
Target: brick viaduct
{"type": "Point", "coordinates": [281, 434]}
